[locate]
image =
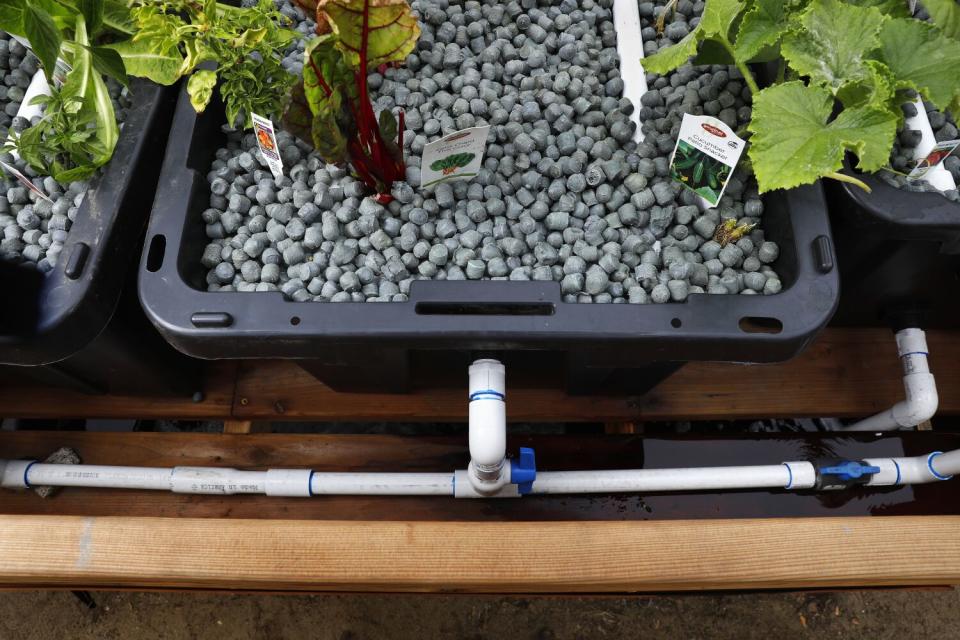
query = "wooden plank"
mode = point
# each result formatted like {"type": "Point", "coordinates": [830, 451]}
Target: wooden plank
{"type": "Point", "coordinates": [511, 557]}
{"type": "Point", "coordinates": [245, 426]}
{"type": "Point", "coordinates": [418, 453]}
{"type": "Point", "coordinates": [846, 372]}
{"type": "Point", "coordinates": [41, 402]}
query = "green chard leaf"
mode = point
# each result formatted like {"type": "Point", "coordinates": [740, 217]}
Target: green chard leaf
{"type": "Point", "coordinates": [44, 37]}
{"type": "Point", "coordinates": [718, 16]}
{"type": "Point", "coordinates": [392, 26]}
{"type": "Point", "coordinates": [200, 87]}
{"type": "Point", "coordinates": [922, 58]}
{"type": "Point", "coordinates": [824, 46]}
{"type": "Point", "coordinates": [141, 60]}
{"type": "Point", "coordinates": [946, 15]}
{"type": "Point", "coordinates": [794, 142]}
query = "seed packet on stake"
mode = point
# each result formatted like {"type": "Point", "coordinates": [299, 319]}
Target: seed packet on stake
{"type": "Point", "coordinates": [267, 141]}
{"type": "Point", "coordinates": [24, 180]}
{"type": "Point", "coordinates": [706, 153]}
{"type": "Point", "coordinates": [453, 157]}
{"type": "Point", "coordinates": [937, 155]}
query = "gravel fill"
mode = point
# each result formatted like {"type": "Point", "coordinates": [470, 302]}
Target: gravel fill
{"type": "Point", "coordinates": [33, 230]}
{"type": "Point", "coordinates": [564, 193]}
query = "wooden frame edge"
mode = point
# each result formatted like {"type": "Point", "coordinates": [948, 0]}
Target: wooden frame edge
{"type": "Point", "coordinates": [513, 557]}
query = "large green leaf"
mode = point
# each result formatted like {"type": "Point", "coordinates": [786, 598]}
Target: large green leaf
{"type": "Point", "coordinates": [108, 62]}
{"type": "Point", "coordinates": [762, 26]}
{"type": "Point", "coordinates": [922, 58]}
{"type": "Point", "coordinates": [834, 42]}
{"type": "Point", "coordinates": [891, 8]}
{"type": "Point", "coordinates": [116, 16]}
{"type": "Point", "coordinates": [92, 11]}
{"type": "Point", "coordinates": [44, 37]}
{"type": "Point", "coordinates": [795, 143]}
{"type": "Point", "coordinates": [876, 89]}
{"type": "Point", "coordinates": [718, 16]}
{"type": "Point", "coordinates": [946, 15]}
{"type": "Point", "coordinates": [11, 16]}
{"type": "Point", "coordinates": [326, 79]}
{"type": "Point", "coordinates": [139, 59]}
{"type": "Point", "coordinates": [392, 28]}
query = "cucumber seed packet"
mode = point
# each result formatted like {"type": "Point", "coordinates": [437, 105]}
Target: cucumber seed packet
{"type": "Point", "coordinates": [706, 153]}
{"type": "Point", "coordinates": [937, 155]}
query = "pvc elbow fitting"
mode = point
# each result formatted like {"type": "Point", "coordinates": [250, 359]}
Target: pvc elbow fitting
{"type": "Point", "coordinates": [921, 402]}
{"type": "Point", "coordinates": [488, 425]}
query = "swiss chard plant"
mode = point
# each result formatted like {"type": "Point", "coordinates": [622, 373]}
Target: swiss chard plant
{"type": "Point", "coordinates": [78, 130]}
{"type": "Point", "coordinates": [845, 69]}
{"type": "Point", "coordinates": [173, 37]}
{"type": "Point", "coordinates": [334, 111]}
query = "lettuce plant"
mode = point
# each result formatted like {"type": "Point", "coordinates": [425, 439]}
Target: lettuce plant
{"type": "Point", "coordinates": [846, 67]}
{"type": "Point", "coordinates": [334, 110]}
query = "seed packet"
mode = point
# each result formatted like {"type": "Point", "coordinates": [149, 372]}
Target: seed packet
{"type": "Point", "coordinates": [453, 157]}
{"type": "Point", "coordinates": [706, 153]}
{"type": "Point", "coordinates": [937, 155]}
{"type": "Point", "coordinates": [267, 141]}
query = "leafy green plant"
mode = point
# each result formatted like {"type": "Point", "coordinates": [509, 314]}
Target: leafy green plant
{"type": "Point", "coordinates": [173, 37]}
{"type": "Point", "coordinates": [79, 130]}
{"type": "Point", "coordinates": [846, 67]}
{"type": "Point", "coordinates": [451, 163]}
{"type": "Point", "coordinates": [334, 110]}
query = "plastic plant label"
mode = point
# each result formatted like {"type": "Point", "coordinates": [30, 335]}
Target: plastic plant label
{"type": "Point", "coordinates": [24, 180]}
{"type": "Point", "coordinates": [453, 157]}
{"type": "Point", "coordinates": [267, 140]}
{"type": "Point", "coordinates": [706, 153]}
{"type": "Point", "coordinates": [937, 155]}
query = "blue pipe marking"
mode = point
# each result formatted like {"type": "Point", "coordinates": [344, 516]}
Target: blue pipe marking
{"type": "Point", "coordinates": [897, 481]}
{"type": "Point", "coordinates": [310, 483]}
{"type": "Point", "coordinates": [915, 353]}
{"type": "Point", "coordinates": [487, 394]}
{"type": "Point", "coordinates": [453, 485]}
{"type": "Point", "coordinates": [790, 471]}
{"type": "Point", "coordinates": [26, 470]}
{"type": "Point", "coordinates": [930, 466]}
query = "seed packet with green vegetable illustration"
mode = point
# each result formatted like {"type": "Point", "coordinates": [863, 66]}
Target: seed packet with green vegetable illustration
{"type": "Point", "coordinates": [706, 153]}
{"type": "Point", "coordinates": [937, 155]}
{"type": "Point", "coordinates": [453, 157]}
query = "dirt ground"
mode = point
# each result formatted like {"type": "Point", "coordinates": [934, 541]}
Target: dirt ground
{"type": "Point", "coordinates": [875, 615]}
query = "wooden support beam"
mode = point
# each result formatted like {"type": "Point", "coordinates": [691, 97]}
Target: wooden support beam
{"type": "Point", "coordinates": [245, 426]}
{"type": "Point", "coordinates": [514, 557]}
{"type": "Point", "coordinates": [846, 372]}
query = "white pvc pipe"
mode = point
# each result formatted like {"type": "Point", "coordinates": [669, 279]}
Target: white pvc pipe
{"type": "Point", "coordinates": [388, 484]}
{"type": "Point", "coordinates": [789, 475]}
{"type": "Point", "coordinates": [487, 425]}
{"type": "Point", "coordinates": [918, 383]}
{"type": "Point", "coordinates": [20, 474]}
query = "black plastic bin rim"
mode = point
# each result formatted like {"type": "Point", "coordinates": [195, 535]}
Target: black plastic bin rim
{"type": "Point", "coordinates": [476, 314]}
{"type": "Point", "coordinates": [75, 309]}
{"type": "Point", "coordinates": [894, 206]}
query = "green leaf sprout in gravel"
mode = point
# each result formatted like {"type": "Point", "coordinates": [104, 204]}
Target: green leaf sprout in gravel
{"type": "Point", "coordinates": [846, 69]}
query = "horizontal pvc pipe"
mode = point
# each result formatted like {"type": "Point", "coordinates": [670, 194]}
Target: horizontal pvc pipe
{"type": "Point", "coordinates": [384, 484]}
{"type": "Point", "coordinates": [789, 475]}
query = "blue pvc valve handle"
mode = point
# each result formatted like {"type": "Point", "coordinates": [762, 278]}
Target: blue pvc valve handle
{"type": "Point", "coordinates": [523, 470]}
{"type": "Point", "coordinates": [850, 470]}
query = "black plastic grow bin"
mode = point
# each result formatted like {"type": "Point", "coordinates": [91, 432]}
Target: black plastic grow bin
{"type": "Point", "coordinates": [898, 250]}
{"type": "Point", "coordinates": [395, 346]}
{"type": "Point", "coordinates": [80, 325]}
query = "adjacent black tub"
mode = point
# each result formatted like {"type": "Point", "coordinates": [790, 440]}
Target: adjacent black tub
{"type": "Point", "coordinates": [395, 346]}
{"type": "Point", "coordinates": [900, 256]}
{"type": "Point", "coordinates": [80, 325]}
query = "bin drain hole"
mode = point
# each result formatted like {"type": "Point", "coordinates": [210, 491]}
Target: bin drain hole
{"type": "Point", "coordinates": [295, 320]}
{"type": "Point", "coordinates": [158, 246]}
{"type": "Point", "coordinates": [754, 324]}
{"type": "Point", "coordinates": [675, 323]}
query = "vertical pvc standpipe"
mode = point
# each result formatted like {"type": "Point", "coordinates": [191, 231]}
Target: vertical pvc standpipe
{"type": "Point", "coordinates": [918, 383]}
{"type": "Point", "coordinates": [487, 471]}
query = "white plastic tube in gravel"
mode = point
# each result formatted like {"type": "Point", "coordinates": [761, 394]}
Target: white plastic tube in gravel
{"type": "Point", "coordinates": [626, 22]}
{"type": "Point", "coordinates": [938, 176]}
